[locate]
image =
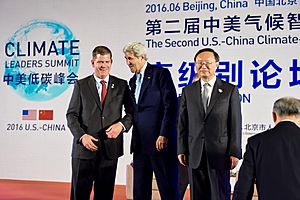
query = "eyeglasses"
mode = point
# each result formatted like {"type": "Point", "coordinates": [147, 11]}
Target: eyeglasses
{"type": "Point", "coordinates": [206, 63]}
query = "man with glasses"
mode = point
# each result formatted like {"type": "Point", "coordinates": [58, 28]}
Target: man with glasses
{"type": "Point", "coordinates": [209, 130]}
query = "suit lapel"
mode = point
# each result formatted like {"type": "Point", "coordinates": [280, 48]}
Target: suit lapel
{"type": "Point", "coordinates": [216, 92]}
{"type": "Point", "coordinates": [197, 90]}
{"type": "Point", "coordinates": [111, 89]}
{"type": "Point", "coordinates": [94, 91]}
{"type": "Point", "coordinates": [132, 86]}
{"type": "Point", "coordinates": [146, 80]}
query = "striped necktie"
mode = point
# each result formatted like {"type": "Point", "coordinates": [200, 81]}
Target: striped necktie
{"type": "Point", "coordinates": [205, 96]}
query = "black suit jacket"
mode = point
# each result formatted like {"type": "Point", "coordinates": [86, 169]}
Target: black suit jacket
{"type": "Point", "coordinates": [219, 129]}
{"type": "Point", "coordinates": [85, 115]}
{"type": "Point", "coordinates": [155, 114]}
{"type": "Point", "coordinates": [271, 160]}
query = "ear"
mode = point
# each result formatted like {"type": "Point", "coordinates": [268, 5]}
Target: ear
{"type": "Point", "coordinates": [275, 117]}
{"type": "Point", "coordinates": [143, 57]}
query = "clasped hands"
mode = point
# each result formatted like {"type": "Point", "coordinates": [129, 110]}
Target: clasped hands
{"type": "Point", "coordinates": [87, 141]}
{"type": "Point", "coordinates": [112, 132]}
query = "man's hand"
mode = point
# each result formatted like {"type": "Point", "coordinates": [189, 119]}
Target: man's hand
{"type": "Point", "coordinates": [233, 162]}
{"type": "Point", "coordinates": [114, 130]}
{"type": "Point", "coordinates": [87, 141]}
{"type": "Point", "coordinates": [161, 143]}
{"type": "Point", "coordinates": [182, 159]}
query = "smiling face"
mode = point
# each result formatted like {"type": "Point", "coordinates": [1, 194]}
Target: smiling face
{"type": "Point", "coordinates": [102, 65]}
{"type": "Point", "coordinates": [134, 63]}
{"type": "Point", "coordinates": [206, 65]}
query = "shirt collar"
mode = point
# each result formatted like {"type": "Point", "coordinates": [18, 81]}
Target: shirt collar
{"type": "Point", "coordinates": [142, 71]}
{"type": "Point", "coordinates": [211, 82]}
{"type": "Point", "coordinates": [98, 80]}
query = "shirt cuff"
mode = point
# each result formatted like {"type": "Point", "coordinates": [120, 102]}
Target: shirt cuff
{"type": "Point", "coordinates": [124, 128]}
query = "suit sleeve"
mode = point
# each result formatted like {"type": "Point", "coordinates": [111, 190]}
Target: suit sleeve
{"type": "Point", "coordinates": [235, 124]}
{"type": "Point", "coordinates": [244, 187]}
{"type": "Point", "coordinates": [128, 106]}
{"type": "Point", "coordinates": [74, 112]}
{"type": "Point", "coordinates": [182, 126]}
{"type": "Point", "coordinates": [169, 100]}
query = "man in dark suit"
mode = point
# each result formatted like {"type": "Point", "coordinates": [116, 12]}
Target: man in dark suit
{"type": "Point", "coordinates": [272, 158]}
{"type": "Point", "coordinates": [95, 119]}
{"type": "Point", "coordinates": [209, 130]}
{"type": "Point", "coordinates": [154, 126]}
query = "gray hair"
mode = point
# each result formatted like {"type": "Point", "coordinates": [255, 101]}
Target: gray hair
{"type": "Point", "coordinates": [287, 106]}
{"type": "Point", "coordinates": [137, 48]}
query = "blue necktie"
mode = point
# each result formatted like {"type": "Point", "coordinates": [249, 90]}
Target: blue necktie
{"type": "Point", "coordinates": [138, 86]}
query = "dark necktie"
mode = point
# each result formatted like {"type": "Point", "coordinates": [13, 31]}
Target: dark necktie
{"type": "Point", "coordinates": [103, 91]}
{"type": "Point", "coordinates": [205, 96]}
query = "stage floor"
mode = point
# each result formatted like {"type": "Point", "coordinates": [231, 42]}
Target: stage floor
{"type": "Point", "coordinates": [39, 190]}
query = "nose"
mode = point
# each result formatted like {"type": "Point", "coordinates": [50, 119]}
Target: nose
{"type": "Point", "coordinates": [204, 66]}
